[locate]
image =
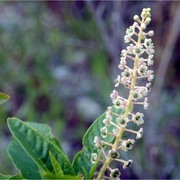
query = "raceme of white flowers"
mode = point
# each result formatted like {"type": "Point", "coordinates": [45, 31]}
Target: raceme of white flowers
{"type": "Point", "coordinates": [140, 51]}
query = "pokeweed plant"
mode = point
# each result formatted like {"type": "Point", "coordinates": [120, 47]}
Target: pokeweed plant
{"type": "Point", "coordinates": [37, 154]}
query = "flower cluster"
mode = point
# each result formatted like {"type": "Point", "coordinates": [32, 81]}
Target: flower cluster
{"type": "Point", "coordinates": [140, 51]}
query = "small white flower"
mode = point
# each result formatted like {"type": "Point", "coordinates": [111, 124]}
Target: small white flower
{"type": "Point", "coordinates": [138, 118]}
{"type": "Point", "coordinates": [113, 154]}
{"type": "Point", "coordinates": [130, 31]}
{"type": "Point", "coordinates": [123, 53]}
{"type": "Point", "coordinates": [115, 131]}
{"type": "Point", "coordinates": [150, 61]}
{"type": "Point", "coordinates": [126, 73]}
{"type": "Point", "coordinates": [150, 51]}
{"type": "Point", "coordinates": [142, 69]}
{"type": "Point", "coordinates": [122, 121]}
{"type": "Point", "coordinates": [107, 121]}
{"type": "Point", "coordinates": [114, 94]}
{"type": "Point", "coordinates": [150, 75]}
{"type": "Point", "coordinates": [148, 86]}
{"type": "Point", "coordinates": [144, 91]}
{"type": "Point", "coordinates": [127, 38]}
{"type": "Point", "coordinates": [139, 133]}
{"type": "Point", "coordinates": [127, 164]}
{"type": "Point", "coordinates": [97, 142]}
{"type": "Point", "coordinates": [146, 104]}
{"type": "Point", "coordinates": [104, 132]}
{"type": "Point", "coordinates": [109, 108]}
{"type": "Point", "coordinates": [115, 173]}
{"type": "Point", "coordinates": [149, 46]}
{"type": "Point", "coordinates": [135, 95]}
{"type": "Point", "coordinates": [126, 81]}
{"type": "Point", "coordinates": [94, 158]}
{"type": "Point", "coordinates": [140, 61]}
{"type": "Point", "coordinates": [122, 64]}
{"type": "Point", "coordinates": [148, 43]}
{"type": "Point", "coordinates": [117, 81]}
{"type": "Point", "coordinates": [119, 103]}
{"type": "Point", "coordinates": [130, 48]}
{"type": "Point", "coordinates": [138, 50]}
{"type": "Point", "coordinates": [127, 144]}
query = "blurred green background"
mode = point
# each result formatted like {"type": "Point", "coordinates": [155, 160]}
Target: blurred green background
{"type": "Point", "coordinates": [58, 60]}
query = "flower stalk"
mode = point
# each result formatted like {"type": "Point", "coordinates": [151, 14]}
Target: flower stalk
{"type": "Point", "coordinates": [140, 51]}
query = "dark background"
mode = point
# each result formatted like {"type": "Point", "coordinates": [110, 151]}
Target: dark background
{"type": "Point", "coordinates": [58, 61]}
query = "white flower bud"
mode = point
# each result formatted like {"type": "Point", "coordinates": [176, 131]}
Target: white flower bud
{"type": "Point", "coordinates": [150, 33]}
{"type": "Point", "coordinates": [117, 81]}
{"type": "Point", "coordinates": [139, 133]}
{"type": "Point", "coordinates": [136, 18]}
{"type": "Point", "coordinates": [97, 142]}
{"type": "Point", "coordinates": [146, 103]}
{"type": "Point", "coordinates": [104, 132]}
{"type": "Point", "coordinates": [94, 158]}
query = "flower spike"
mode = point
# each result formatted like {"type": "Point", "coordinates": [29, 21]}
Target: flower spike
{"type": "Point", "coordinates": [140, 51]}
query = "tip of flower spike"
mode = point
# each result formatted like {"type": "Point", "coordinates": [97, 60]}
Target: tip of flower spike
{"type": "Point", "coordinates": [146, 12]}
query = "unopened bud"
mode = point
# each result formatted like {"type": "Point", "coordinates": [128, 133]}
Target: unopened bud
{"type": "Point", "coordinates": [151, 33]}
{"type": "Point", "coordinates": [136, 18]}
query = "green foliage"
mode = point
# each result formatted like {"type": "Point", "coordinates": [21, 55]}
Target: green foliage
{"type": "Point", "coordinates": [56, 166]}
{"type": "Point", "coordinates": [81, 162]}
{"type": "Point", "coordinates": [3, 98]}
{"type": "Point", "coordinates": [37, 154]}
{"type": "Point", "coordinates": [10, 177]}
{"type": "Point", "coordinates": [30, 148]}
{"type": "Point", "coordinates": [47, 175]}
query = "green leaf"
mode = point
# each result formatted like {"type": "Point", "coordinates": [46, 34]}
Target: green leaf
{"type": "Point", "coordinates": [48, 175]}
{"type": "Point", "coordinates": [4, 176]}
{"type": "Point", "coordinates": [36, 146]}
{"type": "Point", "coordinates": [46, 131]}
{"type": "Point", "coordinates": [22, 161]}
{"type": "Point", "coordinates": [81, 162]}
{"type": "Point", "coordinates": [56, 166]}
{"type": "Point", "coordinates": [3, 98]}
{"type": "Point", "coordinates": [17, 176]}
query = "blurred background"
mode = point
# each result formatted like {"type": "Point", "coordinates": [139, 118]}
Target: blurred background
{"type": "Point", "coordinates": [58, 61]}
